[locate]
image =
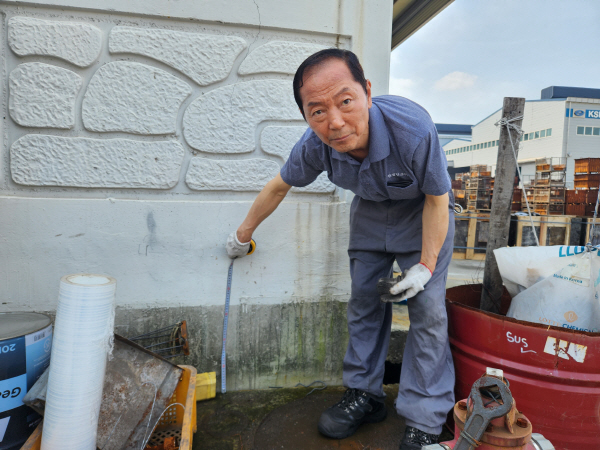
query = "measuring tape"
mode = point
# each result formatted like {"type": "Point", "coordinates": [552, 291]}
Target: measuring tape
{"type": "Point", "coordinates": [226, 320]}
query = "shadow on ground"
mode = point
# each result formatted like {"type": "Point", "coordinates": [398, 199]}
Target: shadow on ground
{"type": "Point", "coordinates": [286, 419]}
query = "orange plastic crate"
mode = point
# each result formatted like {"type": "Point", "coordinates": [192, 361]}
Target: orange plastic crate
{"type": "Point", "coordinates": [575, 196]}
{"type": "Point", "coordinates": [575, 209]}
{"type": "Point", "coordinates": [587, 165]}
{"type": "Point", "coordinates": [587, 181]}
{"type": "Point", "coordinates": [177, 421]}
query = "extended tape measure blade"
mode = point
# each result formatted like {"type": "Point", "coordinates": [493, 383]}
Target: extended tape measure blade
{"type": "Point", "coordinates": [225, 322]}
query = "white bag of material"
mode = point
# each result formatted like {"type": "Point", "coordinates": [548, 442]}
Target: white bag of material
{"type": "Point", "coordinates": [555, 285]}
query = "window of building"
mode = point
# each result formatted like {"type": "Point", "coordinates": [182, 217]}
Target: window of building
{"type": "Point", "coordinates": [530, 136]}
{"type": "Point", "coordinates": [526, 137]}
{"type": "Point", "coordinates": [596, 131]}
{"type": "Point", "coordinates": [588, 131]}
{"type": "Point", "coordinates": [580, 130]}
{"type": "Point", "coordinates": [537, 135]}
{"type": "Point", "coordinates": [549, 132]}
{"type": "Point", "coordinates": [498, 142]}
{"type": "Point", "coordinates": [485, 145]}
{"type": "Point", "coordinates": [543, 133]}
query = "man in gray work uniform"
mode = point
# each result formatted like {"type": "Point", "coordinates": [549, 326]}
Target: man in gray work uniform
{"type": "Point", "coordinates": [385, 150]}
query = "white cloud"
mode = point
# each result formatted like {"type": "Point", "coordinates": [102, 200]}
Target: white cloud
{"type": "Point", "coordinates": [455, 81]}
{"type": "Point", "coordinates": [401, 86]}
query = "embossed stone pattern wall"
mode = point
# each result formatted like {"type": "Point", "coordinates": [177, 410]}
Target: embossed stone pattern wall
{"type": "Point", "coordinates": [107, 103]}
{"type": "Point", "coordinates": [82, 162]}
{"type": "Point", "coordinates": [42, 95]}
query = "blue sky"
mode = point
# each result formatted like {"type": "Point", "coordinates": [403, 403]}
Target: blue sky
{"type": "Point", "coordinates": [462, 63]}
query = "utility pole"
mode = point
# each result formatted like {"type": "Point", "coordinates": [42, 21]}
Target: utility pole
{"type": "Point", "coordinates": [506, 168]}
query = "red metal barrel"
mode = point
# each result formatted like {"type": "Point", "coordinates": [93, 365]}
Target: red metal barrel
{"type": "Point", "coordinates": [554, 372]}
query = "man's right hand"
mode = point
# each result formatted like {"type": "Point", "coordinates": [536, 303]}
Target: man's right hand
{"type": "Point", "coordinates": [235, 248]}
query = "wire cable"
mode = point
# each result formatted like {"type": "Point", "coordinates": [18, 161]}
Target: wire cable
{"type": "Point", "coordinates": [508, 124]}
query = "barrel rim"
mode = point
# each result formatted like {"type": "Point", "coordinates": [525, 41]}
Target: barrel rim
{"type": "Point", "coordinates": [26, 331]}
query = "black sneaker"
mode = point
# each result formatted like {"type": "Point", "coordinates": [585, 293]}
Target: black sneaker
{"type": "Point", "coordinates": [414, 439]}
{"type": "Point", "coordinates": [343, 418]}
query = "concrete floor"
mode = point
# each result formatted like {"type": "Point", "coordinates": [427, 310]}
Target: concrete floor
{"type": "Point", "coordinates": [287, 418]}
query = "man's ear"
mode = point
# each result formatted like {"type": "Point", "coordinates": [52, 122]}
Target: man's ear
{"type": "Point", "coordinates": [369, 100]}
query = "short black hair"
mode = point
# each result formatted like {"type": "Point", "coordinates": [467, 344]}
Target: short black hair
{"type": "Point", "coordinates": [319, 58]}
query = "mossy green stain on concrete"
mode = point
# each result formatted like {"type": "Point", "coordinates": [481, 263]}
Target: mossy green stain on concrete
{"type": "Point", "coordinates": [322, 348]}
{"type": "Point", "coordinates": [299, 331]}
{"type": "Point", "coordinates": [267, 345]}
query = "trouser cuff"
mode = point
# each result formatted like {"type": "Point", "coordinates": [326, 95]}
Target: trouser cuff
{"type": "Point", "coordinates": [379, 396]}
{"type": "Point", "coordinates": [425, 428]}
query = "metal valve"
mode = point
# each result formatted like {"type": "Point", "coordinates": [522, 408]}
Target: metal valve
{"type": "Point", "coordinates": [489, 419]}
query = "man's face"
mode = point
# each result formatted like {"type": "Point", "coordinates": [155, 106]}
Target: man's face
{"type": "Point", "coordinates": [336, 107]}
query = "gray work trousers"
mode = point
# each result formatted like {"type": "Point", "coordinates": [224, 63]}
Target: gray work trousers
{"type": "Point", "coordinates": [426, 391]}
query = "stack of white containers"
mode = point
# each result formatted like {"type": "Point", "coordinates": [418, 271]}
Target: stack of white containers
{"type": "Point", "coordinates": [83, 335]}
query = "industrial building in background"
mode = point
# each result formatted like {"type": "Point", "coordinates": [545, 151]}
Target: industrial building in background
{"type": "Point", "coordinates": [564, 123]}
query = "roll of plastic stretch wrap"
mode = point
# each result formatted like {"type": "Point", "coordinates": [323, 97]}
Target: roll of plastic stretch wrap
{"type": "Point", "coordinates": [83, 335]}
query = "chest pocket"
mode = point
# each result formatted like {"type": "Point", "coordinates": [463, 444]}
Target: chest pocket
{"type": "Point", "coordinates": [402, 188]}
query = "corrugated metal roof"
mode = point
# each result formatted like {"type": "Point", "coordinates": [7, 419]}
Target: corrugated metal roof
{"type": "Point", "coordinates": [410, 15]}
{"type": "Point", "coordinates": [567, 91]}
{"type": "Point", "coordinates": [454, 129]}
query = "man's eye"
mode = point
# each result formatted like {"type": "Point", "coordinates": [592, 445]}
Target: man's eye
{"type": "Point", "coordinates": [318, 112]}
{"type": "Point", "coordinates": [346, 102]}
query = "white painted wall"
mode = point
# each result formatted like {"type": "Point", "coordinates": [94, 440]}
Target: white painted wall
{"type": "Point", "coordinates": [578, 146]}
{"type": "Point", "coordinates": [137, 133]}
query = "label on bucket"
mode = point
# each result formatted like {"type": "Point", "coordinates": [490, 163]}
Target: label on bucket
{"type": "Point", "coordinates": [12, 392]}
{"type": "Point", "coordinates": [38, 346]}
{"type": "Point", "coordinates": [13, 362]}
{"type": "Point", "coordinates": [22, 361]}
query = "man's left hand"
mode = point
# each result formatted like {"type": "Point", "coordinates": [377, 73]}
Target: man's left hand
{"type": "Point", "coordinates": [414, 282]}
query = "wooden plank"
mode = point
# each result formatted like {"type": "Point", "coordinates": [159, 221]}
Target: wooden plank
{"type": "Point", "coordinates": [525, 237]}
{"type": "Point", "coordinates": [558, 230]}
{"type": "Point", "coordinates": [471, 238]}
{"type": "Point", "coordinates": [506, 168]}
{"type": "Point", "coordinates": [543, 236]}
{"type": "Point", "coordinates": [457, 255]}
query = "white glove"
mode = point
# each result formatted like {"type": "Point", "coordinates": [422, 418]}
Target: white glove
{"type": "Point", "coordinates": [235, 248]}
{"type": "Point", "coordinates": [414, 282]}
